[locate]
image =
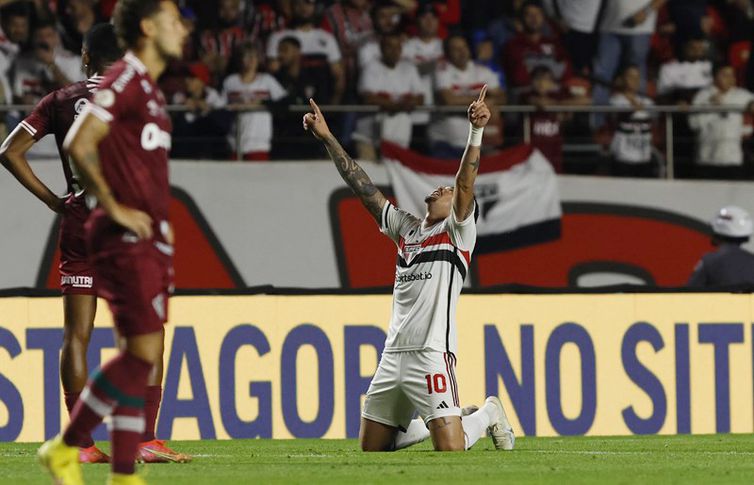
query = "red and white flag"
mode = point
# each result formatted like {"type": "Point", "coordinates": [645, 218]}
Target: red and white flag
{"type": "Point", "coordinates": [516, 190]}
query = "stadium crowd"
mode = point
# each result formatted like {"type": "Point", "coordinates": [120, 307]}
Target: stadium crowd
{"type": "Point", "coordinates": [399, 55]}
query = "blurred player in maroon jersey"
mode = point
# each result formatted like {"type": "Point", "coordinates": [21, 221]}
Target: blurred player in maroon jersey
{"type": "Point", "coordinates": [55, 115]}
{"type": "Point", "coordinates": [128, 234]}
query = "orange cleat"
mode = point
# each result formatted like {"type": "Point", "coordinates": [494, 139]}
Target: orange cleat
{"type": "Point", "coordinates": [92, 455]}
{"type": "Point", "coordinates": [155, 451]}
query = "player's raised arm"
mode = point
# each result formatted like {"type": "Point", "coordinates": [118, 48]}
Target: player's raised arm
{"type": "Point", "coordinates": [82, 145]}
{"type": "Point", "coordinates": [351, 172]}
{"type": "Point", "coordinates": [13, 157]}
{"type": "Point", "coordinates": [463, 195]}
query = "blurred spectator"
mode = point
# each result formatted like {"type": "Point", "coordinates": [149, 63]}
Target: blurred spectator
{"type": "Point", "coordinates": [531, 48]}
{"type": "Point", "coordinates": [318, 47]}
{"type": "Point", "coordinates": [738, 16]}
{"type": "Point", "coordinates": [264, 19]}
{"type": "Point", "coordinates": [15, 23]}
{"type": "Point", "coordinates": [719, 152]}
{"type": "Point", "coordinates": [349, 21]}
{"type": "Point", "coordinates": [394, 86]}
{"type": "Point", "coordinates": [625, 34]}
{"type": "Point", "coordinates": [631, 146]}
{"type": "Point", "coordinates": [77, 18]}
{"type": "Point", "coordinates": [190, 52]}
{"type": "Point", "coordinates": [546, 128]}
{"type": "Point", "coordinates": [250, 88]}
{"type": "Point", "coordinates": [424, 50]}
{"type": "Point", "coordinates": [301, 83]}
{"type": "Point", "coordinates": [199, 132]}
{"type": "Point", "coordinates": [457, 83]}
{"type": "Point", "coordinates": [218, 42]}
{"type": "Point", "coordinates": [44, 67]}
{"type": "Point", "coordinates": [689, 18]}
{"type": "Point", "coordinates": [680, 79]}
{"type": "Point", "coordinates": [484, 54]}
{"type": "Point", "coordinates": [448, 13]}
{"type": "Point", "coordinates": [15, 20]}
{"type": "Point", "coordinates": [386, 19]}
{"type": "Point", "coordinates": [578, 19]}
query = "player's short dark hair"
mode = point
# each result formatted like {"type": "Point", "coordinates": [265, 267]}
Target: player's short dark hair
{"type": "Point", "coordinates": [289, 39]}
{"type": "Point", "coordinates": [102, 45]}
{"type": "Point", "coordinates": [127, 19]}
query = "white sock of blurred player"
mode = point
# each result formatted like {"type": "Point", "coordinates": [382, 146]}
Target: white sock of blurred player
{"type": "Point", "coordinates": [415, 433]}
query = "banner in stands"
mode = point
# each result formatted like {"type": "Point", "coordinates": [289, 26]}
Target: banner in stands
{"type": "Point", "coordinates": [290, 366]}
{"type": "Point", "coordinates": [516, 190]}
{"type": "Point", "coordinates": [295, 224]}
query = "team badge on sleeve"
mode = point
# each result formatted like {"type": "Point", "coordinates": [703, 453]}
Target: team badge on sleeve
{"type": "Point", "coordinates": [104, 98]}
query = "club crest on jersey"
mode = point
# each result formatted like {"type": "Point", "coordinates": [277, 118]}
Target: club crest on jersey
{"type": "Point", "coordinates": [152, 138]}
{"type": "Point", "coordinates": [411, 250]}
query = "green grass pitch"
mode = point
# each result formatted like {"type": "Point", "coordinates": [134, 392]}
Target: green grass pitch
{"type": "Point", "coordinates": [651, 460]}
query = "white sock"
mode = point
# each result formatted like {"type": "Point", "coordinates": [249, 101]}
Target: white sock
{"type": "Point", "coordinates": [415, 433]}
{"type": "Point", "coordinates": [475, 425]}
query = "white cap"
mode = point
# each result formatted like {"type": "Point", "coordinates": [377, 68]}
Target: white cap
{"type": "Point", "coordinates": [732, 221]}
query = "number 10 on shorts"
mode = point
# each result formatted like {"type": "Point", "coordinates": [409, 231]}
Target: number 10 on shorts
{"type": "Point", "coordinates": [436, 382]}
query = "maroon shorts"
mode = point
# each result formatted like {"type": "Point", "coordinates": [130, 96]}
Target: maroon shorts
{"type": "Point", "coordinates": [76, 272]}
{"type": "Point", "coordinates": [135, 277]}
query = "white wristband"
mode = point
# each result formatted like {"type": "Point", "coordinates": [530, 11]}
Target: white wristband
{"type": "Point", "coordinates": [475, 136]}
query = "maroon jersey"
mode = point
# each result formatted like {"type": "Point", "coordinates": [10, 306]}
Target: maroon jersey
{"type": "Point", "coordinates": [55, 114]}
{"type": "Point", "coordinates": [134, 155]}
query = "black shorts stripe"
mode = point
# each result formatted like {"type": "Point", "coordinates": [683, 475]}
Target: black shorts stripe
{"type": "Point", "coordinates": [451, 378]}
{"type": "Point", "coordinates": [453, 383]}
{"type": "Point", "coordinates": [431, 256]}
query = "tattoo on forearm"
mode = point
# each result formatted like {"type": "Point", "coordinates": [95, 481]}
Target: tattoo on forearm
{"type": "Point", "coordinates": [355, 177]}
{"type": "Point", "coordinates": [475, 164]}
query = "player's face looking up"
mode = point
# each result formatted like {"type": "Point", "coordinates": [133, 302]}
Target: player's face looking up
{"type": "Point", "coordinates": [169, 31]}
{"type": "Point", "coordinates": [439, 202]}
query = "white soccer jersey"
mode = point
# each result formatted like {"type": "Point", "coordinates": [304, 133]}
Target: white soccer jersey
{"type": "Point", "coordinates": [256, 126]}
{"type": "Point", "coordinates": [418, 51]}
{"type": "Point", "coordinates": [429, 273]}
{"type": "Point", "coordinates": [453, 129]}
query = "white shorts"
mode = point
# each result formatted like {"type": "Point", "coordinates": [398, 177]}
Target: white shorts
{"type": "Point", "coordinates": [407, 382]}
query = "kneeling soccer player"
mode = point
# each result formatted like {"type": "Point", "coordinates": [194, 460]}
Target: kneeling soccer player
{"type": "Point", "coordinates": [417, 369]}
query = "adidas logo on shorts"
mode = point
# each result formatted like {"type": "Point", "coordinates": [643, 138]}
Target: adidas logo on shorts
{"type": "Point", "coordinates": [443, 405]}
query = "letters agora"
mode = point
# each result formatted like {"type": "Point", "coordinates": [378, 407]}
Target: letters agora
{"type": "Point", "coordinates": [501, 375]}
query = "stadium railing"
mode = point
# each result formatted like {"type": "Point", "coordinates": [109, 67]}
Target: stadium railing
{"type": "Point", "coordinates": [664, 114]}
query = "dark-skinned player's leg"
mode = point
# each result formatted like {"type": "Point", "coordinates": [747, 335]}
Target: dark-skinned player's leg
{"type": "Point", "coordinates": [79, 311]}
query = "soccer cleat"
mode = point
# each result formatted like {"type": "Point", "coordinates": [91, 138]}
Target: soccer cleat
{"type": "Point", "coordinates": [62, 461]}
{"type": "Point", "coordinates": [467, 410]}
{"type": "Point", "coordinates": [92, 455]}
{"type": "Point", "coordinates": [155, 451]}
{"type": "Point", "coordinates": [123, 479]}
{"type": "Point", "coordinates": [500, 431]}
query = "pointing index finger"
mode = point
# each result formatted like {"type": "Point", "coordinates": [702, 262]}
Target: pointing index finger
{"type": "Point", "coordinates": [482, 93]}
{"type": "Point", "coordinates": [314, 107]}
